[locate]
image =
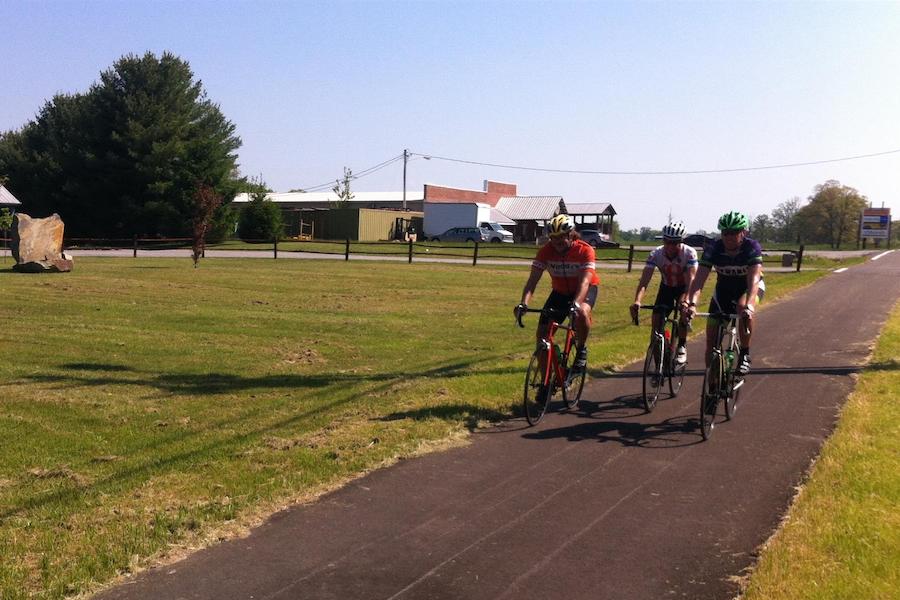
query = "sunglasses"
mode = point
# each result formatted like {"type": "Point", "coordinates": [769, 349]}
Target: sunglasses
{"type": "Point", "coordinates": [731, 231]}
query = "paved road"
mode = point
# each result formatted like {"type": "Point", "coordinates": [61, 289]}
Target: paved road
{"type": "Point", "coordinates": [603, 502]}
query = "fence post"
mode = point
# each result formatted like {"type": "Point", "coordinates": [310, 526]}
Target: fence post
{"type": "Point", "coordinates": [134, 255]}
{"type": "Point", "coordinates": [799, 257]}
{"type": "Point", "coordinates": [630, 256]}
{"type": "Point", "coordinates": [347, 250]}
{"type": "Point", "coordinates": [275, 247]}
{"type": "Point", "coordinates": [410, 250]}
{"type": "Point", "coordinates": [475, 255]}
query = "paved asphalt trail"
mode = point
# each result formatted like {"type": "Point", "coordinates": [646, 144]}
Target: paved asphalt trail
{"type": "Point", "coordinates": [603, 502]}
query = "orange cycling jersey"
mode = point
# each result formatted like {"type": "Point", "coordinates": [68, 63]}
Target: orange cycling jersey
{"type": "Point", "coordinates": [566, 270]}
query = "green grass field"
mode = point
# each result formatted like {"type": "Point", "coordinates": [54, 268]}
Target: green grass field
{"type": "Point", "coordinates": [841, 540]}
{"type": "Point", "coordinates": [148, 407]}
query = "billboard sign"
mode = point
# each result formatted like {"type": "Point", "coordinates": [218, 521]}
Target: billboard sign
{"type": "Point", "coordinates": [876, 223]}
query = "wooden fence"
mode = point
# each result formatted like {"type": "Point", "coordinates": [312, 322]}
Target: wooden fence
{"type": "Point", "coordinates": [410, 250]}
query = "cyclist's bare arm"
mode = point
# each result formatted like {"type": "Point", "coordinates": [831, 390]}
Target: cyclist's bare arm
{"type": "Point", "coordinates": [694, 290]}
{"type": "Point", "coordinates": [531, 284]}
{"type": "Point", "coordinates": [689, 275]}
{"type": "Point", "coordinates": [754, 274]}
{"type": "Point", "coordinates": [583, 286]}
{"type": "Point", "coordinates": [646, 276]}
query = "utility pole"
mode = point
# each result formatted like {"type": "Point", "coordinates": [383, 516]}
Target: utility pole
{"type": "Point", "coordinates": [405, 159]}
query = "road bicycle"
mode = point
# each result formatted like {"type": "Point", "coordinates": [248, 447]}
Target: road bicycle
{"type": "Point", "coordinates": [659, 362]}
{"type": "Point", "coordinates": [721, 382]}
{"type": "Point", "coordinates": [551, 369]}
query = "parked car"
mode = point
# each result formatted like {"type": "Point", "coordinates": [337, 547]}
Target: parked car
{"type": "Point", "coordinates": [698, 240]}
{"type": "Point", "coordinates": [597, 239]}
{"type": "Point", "coordinates": [497, 233]}
{"type": "Point", "coordinates": [463, 234]}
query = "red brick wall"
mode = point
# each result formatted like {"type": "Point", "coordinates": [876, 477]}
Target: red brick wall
{"type": "Point", "coordinates": [436, 193]}
{"type": "Point", "coordinates": [502, 189]}
{"type": "Point", "coordinates": [493, 192]}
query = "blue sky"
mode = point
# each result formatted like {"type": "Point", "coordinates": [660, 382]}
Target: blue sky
{"type": "Point", "coordinates": [592, 86]}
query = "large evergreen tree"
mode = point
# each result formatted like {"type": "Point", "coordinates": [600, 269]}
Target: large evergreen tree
{"type": "Point", "coordinates": [127, 156]}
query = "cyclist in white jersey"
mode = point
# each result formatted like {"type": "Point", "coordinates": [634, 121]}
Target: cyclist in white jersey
{"type": "Point", "coordinates": [677, 263]}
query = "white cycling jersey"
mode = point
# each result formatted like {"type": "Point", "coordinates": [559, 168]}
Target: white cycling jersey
{"type": "Point", "coordinates": [673, 269]}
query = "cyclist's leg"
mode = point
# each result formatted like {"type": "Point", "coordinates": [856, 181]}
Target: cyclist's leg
{"type": "Point", "coordinates": [550, 311]}
{"type": "Point", "coordinates": [682, 324]}
{"type": "Point", "coordinates": [664, 304]}
{"type": "Point", "coordinates": [712, 324]}
{"type": "Point", "coordinates": [584, 319]}
{"type": "Point", "coordinates": [745, 336]}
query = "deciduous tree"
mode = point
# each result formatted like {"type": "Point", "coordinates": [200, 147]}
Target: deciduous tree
{"type": "Point", "coordinates": [206, 201]}
{"type": "Point", "coordinates": [832, 214]}
{"type": "Point", "coordinates": [762, 229]}
{"type": "Point", "coordinates": [784, 220]}
{"type": "Point", "coordinates": [260, 218]}
{"type": "Point", "coordinates": [342, 189]}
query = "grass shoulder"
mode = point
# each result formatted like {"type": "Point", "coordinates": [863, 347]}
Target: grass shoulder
{"type": "Point", "coordinates": [841, 538]}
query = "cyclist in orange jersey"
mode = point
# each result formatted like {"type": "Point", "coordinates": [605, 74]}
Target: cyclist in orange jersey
{"type": "Point", "coordinates": [571, 263]}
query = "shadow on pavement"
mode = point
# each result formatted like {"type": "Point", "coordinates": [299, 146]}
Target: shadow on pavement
{"type": "Point", "coordinates": [675, 432]}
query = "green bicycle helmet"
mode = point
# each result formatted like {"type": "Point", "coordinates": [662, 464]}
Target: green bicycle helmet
{"type": "Point", "coordinates": [734, 221]}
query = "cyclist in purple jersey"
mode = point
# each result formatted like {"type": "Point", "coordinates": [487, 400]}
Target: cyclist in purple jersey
{"type": "Point", "coordinates": [677, 263]}
{"type": "Point", "coordinates": [737, 261]}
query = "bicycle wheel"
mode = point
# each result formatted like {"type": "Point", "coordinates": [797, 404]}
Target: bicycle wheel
{"type": "Point", "coordinates": [574, 384]}
{"type": "Point", "coordinates": [676, 376]}
{"type": "Point", "coordinates": [709, 395]}
{"type": "Point", "coordinates": [731, 402]}
{"type": "Point", "coordinates": [535, 402]}
{"type": "Point", "coordinates": [652, 373]}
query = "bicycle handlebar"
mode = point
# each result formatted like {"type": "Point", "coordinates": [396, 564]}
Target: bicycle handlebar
{"type": "Point", "coordinates": [654, 307]}
{"type": "Point", "coordinates": [522, 314]}
{"type": "Point", "coordinates": [722, 315]}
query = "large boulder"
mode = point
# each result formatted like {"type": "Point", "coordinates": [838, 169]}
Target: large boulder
{"type": "Point", "coordinates": [37, 244]}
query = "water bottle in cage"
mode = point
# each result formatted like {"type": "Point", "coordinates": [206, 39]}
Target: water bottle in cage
{"type": "Point", "coordinates": [729, 359]}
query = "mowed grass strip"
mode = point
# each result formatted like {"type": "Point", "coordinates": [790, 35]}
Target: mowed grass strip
{"type": "Point", "coordinates": [147, 407]}
{"type": "Point", "coordinates": [841, 539]}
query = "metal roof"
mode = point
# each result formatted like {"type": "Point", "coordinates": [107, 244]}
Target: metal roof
{"type": "Point", "coordinates": [590, 208]}
{"type": "Point", "coordinates": [531, 208]}
{"type": "Point", "coordinates": [319, 197]}
{"type": "Point", "coordinates": [7, 198]}
{"type": "Point", "coordinates": [499, 217]}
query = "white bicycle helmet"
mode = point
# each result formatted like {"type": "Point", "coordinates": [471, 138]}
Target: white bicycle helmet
{"type": "Point", "coordinates": [673, 231]}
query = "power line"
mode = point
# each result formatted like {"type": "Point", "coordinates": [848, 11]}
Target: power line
{"type": "Point", "coordinates": [694, 172]}
{"type": "Point", "coordinates": [363, 173]}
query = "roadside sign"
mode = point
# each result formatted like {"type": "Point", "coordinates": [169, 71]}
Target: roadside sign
{"type": "Point", "coordinates": [876, 223]}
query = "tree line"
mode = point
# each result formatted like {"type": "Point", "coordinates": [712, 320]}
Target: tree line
{"type": "Point", "coordinates": [829, 216]}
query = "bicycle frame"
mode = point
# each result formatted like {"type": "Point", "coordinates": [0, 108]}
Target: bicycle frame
{"type": "Point", "coordinates": [659, 363]}
{"type": "Point", "coordinates": [550, 370]}
{"type": "Point", "coordinates": [670, 325]}
{"type": "Point", "coordinates": [552, 363]}
{"type": "Point", "coordinates": [727, 327]}
{"type": "Point", "coordinates": [721, 369]}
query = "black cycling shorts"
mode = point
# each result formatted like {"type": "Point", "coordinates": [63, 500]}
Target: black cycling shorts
{"type": "Point", "coordinates": [557, 305]}
{"type": "Point", "coordinates": [667, 297]}
{"type": "Point", "coordinates": [725, 299]}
